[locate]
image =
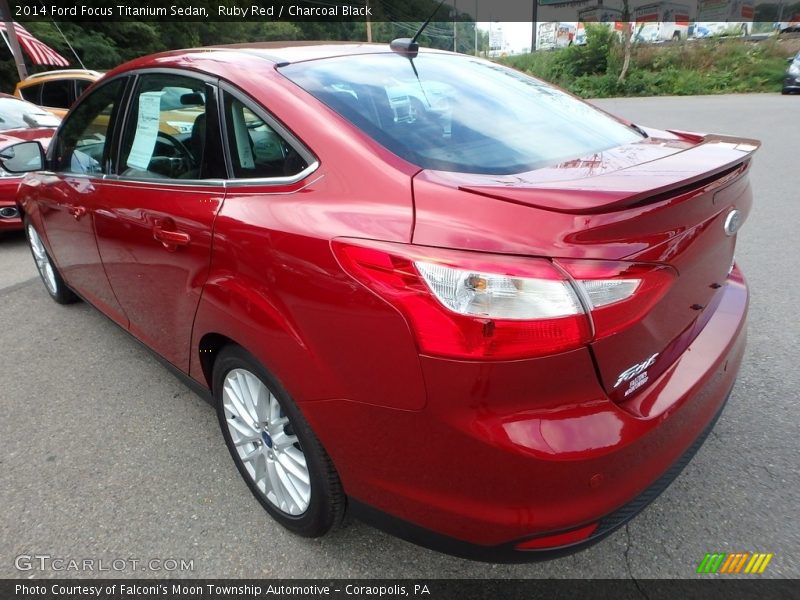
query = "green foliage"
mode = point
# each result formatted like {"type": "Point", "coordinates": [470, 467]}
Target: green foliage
{"type": "Point", "coordinates": [104, 45]}
{"type": "Point", "coordinates": [589, 59]}
{"type": "Point", "coordinates": [573, 62]}
{"type": "Point", "coordinates": [714, 67]}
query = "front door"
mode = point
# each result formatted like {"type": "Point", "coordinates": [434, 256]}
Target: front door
{"type": "Point", "coordinates": [155, 230]}
{"type": "Point", "coordinates": [68, 201]}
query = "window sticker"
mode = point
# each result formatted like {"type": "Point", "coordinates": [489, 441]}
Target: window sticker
{"type": "Point", "coordinates": [146, 130]}
{"type": "Point", "coordinates": [246, 158]}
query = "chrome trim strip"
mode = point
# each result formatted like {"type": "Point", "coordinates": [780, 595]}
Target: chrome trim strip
{"type": "Point", "coordinates": [275, 181]}
{"type": "Point", "coordinates": [287, 193]}
{"type": "Point", "coordinates": [225, 183]}
{"type": "Point", "coordinates": [166, 183]}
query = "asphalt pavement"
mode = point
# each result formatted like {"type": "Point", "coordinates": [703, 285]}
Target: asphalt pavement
{"type": "Point", "coordinates": [105, 455]}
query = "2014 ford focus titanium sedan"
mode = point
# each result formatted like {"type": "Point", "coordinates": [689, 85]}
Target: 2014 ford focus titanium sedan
{"type": "Point", "coordinates": [425, 288]}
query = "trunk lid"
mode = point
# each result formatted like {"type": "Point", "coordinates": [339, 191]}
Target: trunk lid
{"type": "Point", "coordinates": [622, 177]}
{"type": "Point", "coordinates": [666, 200]}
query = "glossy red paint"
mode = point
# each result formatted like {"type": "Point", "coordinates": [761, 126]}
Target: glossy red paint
{"type": "Point", "coordinates": [8, 193]}
{"type": "Point", "coordinates": [488, 452]}
{"type": "Point", "coordinates": [559, 539]}
{"type": "Point", "coordinates": [157, 283]}
{"type": "Point", "coordinates": [511, 448]}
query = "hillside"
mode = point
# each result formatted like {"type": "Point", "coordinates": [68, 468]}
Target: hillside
{"type": "Point", "coordinates": [716, 66]}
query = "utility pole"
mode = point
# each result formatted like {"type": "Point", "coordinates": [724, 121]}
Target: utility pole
{"type": "Point", "coordinates": [22, 70]}
{"type": "Point", "coordinates": [455, 32]}
{"type": "Point", "coordinates": [476, 27]}
{"type": "Point", "coordinates": [535, 25]}
{"type": "Point", "coordinates": [369, 22]}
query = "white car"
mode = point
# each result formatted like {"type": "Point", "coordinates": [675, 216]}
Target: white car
{"type": "Point", "coordinates": [722, 28]}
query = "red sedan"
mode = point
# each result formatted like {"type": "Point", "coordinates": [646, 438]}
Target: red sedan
{"type": "Point", "coordinates": [428, 289]}
{"type": "Point", "coordinates": [19, 121]}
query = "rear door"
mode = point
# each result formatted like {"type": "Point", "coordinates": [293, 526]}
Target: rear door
{"type": "Point", "coordinates": [154, 231]}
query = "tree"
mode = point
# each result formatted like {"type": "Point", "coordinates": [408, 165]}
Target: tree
{"type": "Point", "coordinates": [627, 35]}
{"type": "Point", "coordinates": [104, 45]}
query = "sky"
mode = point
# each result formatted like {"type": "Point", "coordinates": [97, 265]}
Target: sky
{"type": "Point", "coordinates": [516, 35]}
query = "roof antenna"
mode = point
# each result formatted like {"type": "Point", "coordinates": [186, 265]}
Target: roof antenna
{"type": "Point", "coordinates": [409, 47]}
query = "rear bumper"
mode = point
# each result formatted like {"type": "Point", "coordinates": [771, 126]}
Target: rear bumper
{"type": "Point", "coordinates": [506, 453]}
{"type": "Point", "coordinates": [508, 553]}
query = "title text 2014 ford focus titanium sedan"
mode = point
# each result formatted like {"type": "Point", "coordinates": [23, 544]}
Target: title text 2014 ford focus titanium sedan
{"type": "Point", "coordinates": [424, 288]}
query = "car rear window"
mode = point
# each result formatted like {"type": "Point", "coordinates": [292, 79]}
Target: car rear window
{"type": "Point", "coordinates": [458, 113]}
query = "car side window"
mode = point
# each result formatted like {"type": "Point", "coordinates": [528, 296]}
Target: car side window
{"type": "Point", "coordinates": [83, 144]}
{"type": "Point", "coordinates": [256, 149]}
{"type": "Point", "coordinates": [32, 93]}
{"type": "Point", "coordinates": [56, 93]}
{"type": "Point", "coordinates": [80, 86]}
{"type": "Point", "coordinates": [165, 133]}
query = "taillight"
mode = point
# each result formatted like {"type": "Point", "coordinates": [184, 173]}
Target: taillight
{"type": "Point", "coordinates": [475, 305]}
{"type": "Point", "coordinates": [618, 294]}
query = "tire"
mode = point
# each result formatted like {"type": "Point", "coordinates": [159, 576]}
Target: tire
{"type": "Point", "coordinates": [275, 446]}
{"type": "Point", "coordinates": [53, 282]}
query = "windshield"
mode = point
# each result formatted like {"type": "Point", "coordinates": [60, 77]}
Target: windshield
{"type": "Point", "coordinates": [462, 114]}
{"type": "Point", "coordinates": [16, 114]}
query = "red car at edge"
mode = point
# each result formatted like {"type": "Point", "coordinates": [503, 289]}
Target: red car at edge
{"type": "Point", "coordinates": [419, 286]}
{"type": "Point", "coordinates": [20, 121]}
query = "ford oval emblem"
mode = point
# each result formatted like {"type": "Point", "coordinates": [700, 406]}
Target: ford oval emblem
{"type": "Point", "coordinates": [732, 222]}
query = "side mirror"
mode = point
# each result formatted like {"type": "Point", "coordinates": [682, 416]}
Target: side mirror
{"type": "Point", "coordinates": [22, 158]}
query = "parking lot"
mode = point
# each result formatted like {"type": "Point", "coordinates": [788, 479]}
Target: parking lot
{"type": "Point", "coordinates": [104, 454]}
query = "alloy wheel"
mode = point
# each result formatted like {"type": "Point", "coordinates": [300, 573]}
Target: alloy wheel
{"type": "Point", "coordinates": [42, 260]}
{"type": "Point", "coordinates": [265, 442]}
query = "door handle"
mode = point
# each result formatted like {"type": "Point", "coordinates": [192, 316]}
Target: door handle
{"type": "Point", "coordinates": [171, 239]}
{"type": "Point", "coordinates": [77, 212]}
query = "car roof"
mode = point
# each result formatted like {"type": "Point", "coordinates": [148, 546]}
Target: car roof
{"type": "Point", "coordinates": [64, 73]}
{"type": "Point", "coordinates": [5, 96]}
{"type": "Point", "coordinates": [212, 59]}
{"type": "Point", "coordinates": [289, 52]}
{"type": "Point", "coordinates": [59, 74]}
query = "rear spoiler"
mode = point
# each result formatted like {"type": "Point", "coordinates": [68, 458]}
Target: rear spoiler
{"type": "Point", "coordinates": [715, 161]}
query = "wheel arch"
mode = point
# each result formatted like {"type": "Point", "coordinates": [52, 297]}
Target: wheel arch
{"type": "Point", "coordinates": [208, 350]}
{"type": "Point", "coordinates": [237, 312]}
